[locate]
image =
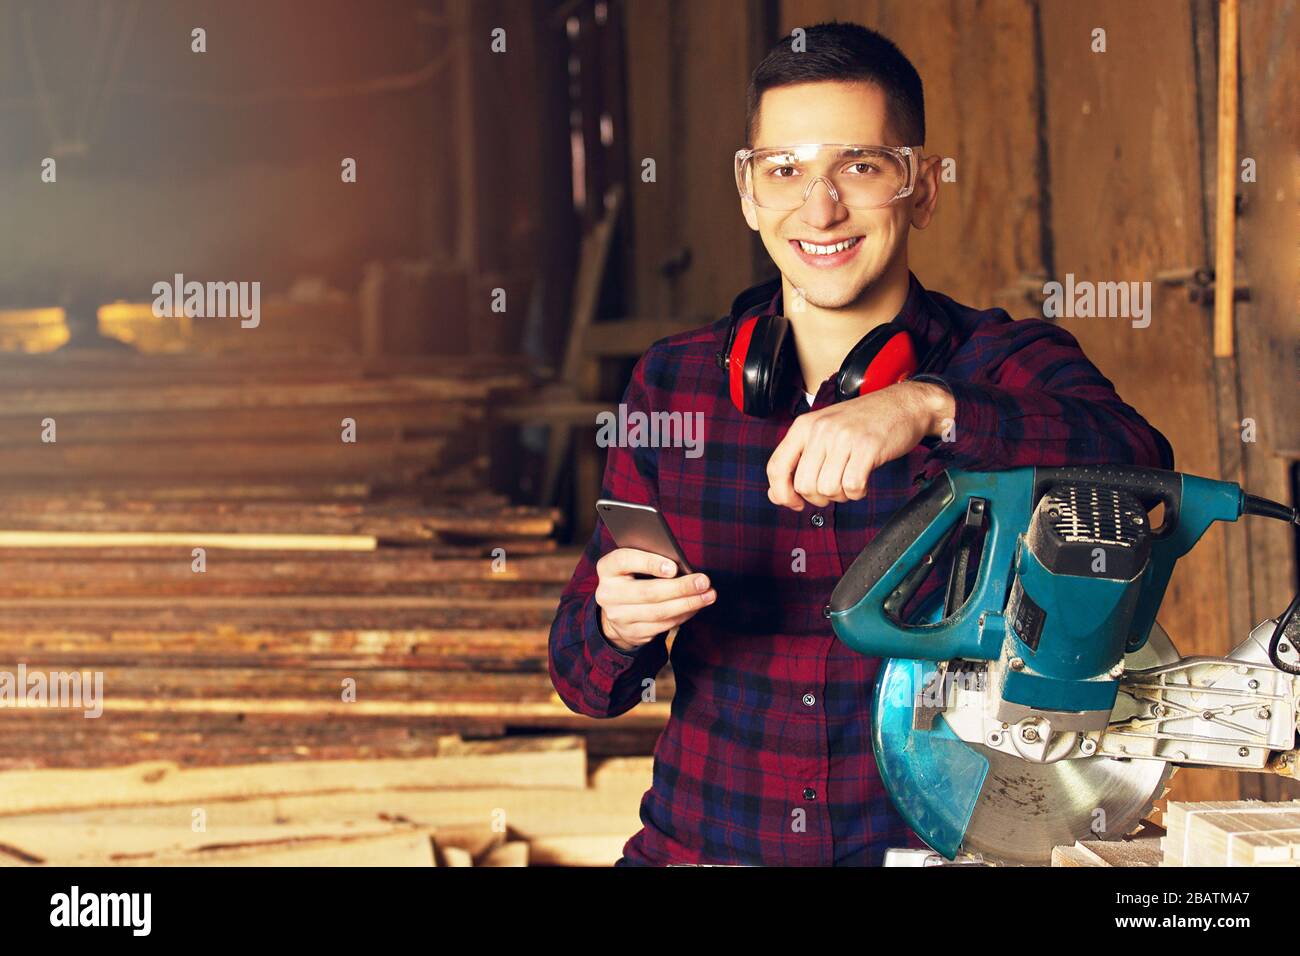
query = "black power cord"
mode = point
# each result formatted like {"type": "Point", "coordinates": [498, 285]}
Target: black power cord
{"type": "Point", "coordinates": [1274, 645]}
{"type": "Point", "coordinates": [1256, 505]}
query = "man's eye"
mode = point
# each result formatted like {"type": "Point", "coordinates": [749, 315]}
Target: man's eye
{"type": "Point", "coordinates": [783, 172]}
{"type": "Point", "coordinates": [863, 169]}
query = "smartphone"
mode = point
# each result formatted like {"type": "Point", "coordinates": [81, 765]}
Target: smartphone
{"type": "Point", "coordinates": [641, 527]}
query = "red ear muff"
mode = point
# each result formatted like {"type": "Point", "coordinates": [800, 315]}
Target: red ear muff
{"type": "Point", "coordinates": [755, 356]}
{"type": "Point", "coordinates": [753, 363]}
{"type": "Point", "coordinates": [885, 356]}
{"type": "Point", "coordinates": [736, 361]}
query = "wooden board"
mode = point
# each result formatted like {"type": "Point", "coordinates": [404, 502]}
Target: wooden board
{"type": "Point", "coordinates": [241, 574]}
{"type": "Point", "coordinates": [529, 762]}
{"type": "Point", "coordinates": [399, 523]}
{"type": "Point", "coordinates": [1138, 852]}
{"type": "Point", "coordinates": [1232, 833]}
{"type": "Point", "coordinates": [46, 739]}
{"type": "Point", "coordinates": [384, 849]}
{"type": "Point", "coordinates": [567, 819]}
{"type": "Point", "coordinates": [375, 820]}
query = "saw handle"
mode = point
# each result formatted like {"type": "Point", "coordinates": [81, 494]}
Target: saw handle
{"type": "Point", "coordinates": [898, 534]}
{"type": "Point", "coordinates": [866, 605]}
{"type": "Point", "coordinates": [1149, 484]}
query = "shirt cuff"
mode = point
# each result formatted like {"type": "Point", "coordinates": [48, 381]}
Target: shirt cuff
{"type": "Point", "coordinates": [600, 652]}
{"type": "Point", "coordinates": [975, 431]}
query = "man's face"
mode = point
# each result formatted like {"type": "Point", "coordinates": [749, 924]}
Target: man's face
{"type": "Point", "coordinates": [830, 112]}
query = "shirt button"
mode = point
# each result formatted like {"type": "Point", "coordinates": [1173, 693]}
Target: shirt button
{"type": "Point", "coordinates": [817, 519]}
{"type": "Point", "coordinates": [809, 700]}
{"type": "Point", "coordinates": [809, 793]}
{"type": "Point", "coordinates": [826, 611]}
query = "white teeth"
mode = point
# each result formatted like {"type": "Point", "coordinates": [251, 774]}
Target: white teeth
{"type": "Point", "coordinates": [816, 250]}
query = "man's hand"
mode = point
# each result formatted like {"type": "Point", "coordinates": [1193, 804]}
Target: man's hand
{"type": "Point", "coordinates": [829, 454]}
{"type": "Point", "coordinates": [633, 611]}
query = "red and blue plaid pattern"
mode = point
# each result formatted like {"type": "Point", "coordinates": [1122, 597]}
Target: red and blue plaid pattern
{"type": "Point", "coordinates": [766, 758]}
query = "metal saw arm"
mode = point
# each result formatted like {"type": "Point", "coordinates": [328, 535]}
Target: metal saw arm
{"type": "Point", "coordinates": [1239, 712]}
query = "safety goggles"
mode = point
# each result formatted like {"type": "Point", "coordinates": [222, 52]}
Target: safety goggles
{"type": "Point", "coordinates": [860, 177]}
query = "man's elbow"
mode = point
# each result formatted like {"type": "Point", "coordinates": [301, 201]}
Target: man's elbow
{"type": "Point", "coordinates": [1165, 451]}
{"type": "Point", "coordinates": [1154, 448]}
{"type": "Point", "coordinates": [1149, 447]}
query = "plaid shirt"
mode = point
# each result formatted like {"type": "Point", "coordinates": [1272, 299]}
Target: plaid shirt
{"type": "Point", "coordinates": [766, 757]}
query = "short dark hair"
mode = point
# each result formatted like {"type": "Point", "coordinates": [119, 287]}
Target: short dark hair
{"type": "Point", "coordinates": [846, 52]}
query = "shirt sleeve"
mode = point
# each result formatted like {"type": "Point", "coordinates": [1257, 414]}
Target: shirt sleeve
{"type": "Point", "coordinates": [1037, 400]}
{"type": "Point", "coordinates": [590, 675]}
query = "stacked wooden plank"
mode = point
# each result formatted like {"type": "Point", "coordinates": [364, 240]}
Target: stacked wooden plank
{"type": "Point", "coordinates": [1143, 851]}
{"type": "Point", "coordinates": [192, 426]}
{"type": "Point", "coordinates": [438, 624]}
{"type": "Point", "coordinates": [506, 802]}
{"type": "Point", "coordinates": [1232, 833]}
{"type": "Point", "coordinates": [253, 590]}
{"type": "Point", "coordinates": [1139, 848]}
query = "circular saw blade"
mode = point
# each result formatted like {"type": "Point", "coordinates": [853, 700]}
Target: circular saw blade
{"type": "Point", "coordinates": [1025, 809]}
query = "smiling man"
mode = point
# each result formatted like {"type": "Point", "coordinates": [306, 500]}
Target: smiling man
{"type": "Point", "coordinates": [827, 395]}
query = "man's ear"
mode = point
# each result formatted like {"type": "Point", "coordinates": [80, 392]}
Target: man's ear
{"type": "Point", "coordinates": [926, 194]}
{"type": "Point", "coordinates": [747, 210]}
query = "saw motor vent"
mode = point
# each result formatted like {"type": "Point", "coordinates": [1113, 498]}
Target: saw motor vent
{"type": "Point", "coordinates": [1090, 530]}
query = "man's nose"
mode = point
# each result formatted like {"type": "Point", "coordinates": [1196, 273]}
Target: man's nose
{"type": "Point", "coordinates": [819, 205]}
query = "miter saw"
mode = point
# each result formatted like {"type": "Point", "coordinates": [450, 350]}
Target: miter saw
{"type": "Point", "coordinates": [1041, 703]}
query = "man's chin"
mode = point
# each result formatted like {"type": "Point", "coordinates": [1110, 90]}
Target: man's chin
{"type": "Point", "coordinates": [832, 295]}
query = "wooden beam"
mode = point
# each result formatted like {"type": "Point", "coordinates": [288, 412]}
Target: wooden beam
{"type": "Point", "coordinates": [183, 539]}
{"type": "Point", "coordinates": [628, 338]}
{"type": "Point", "coordinates": [555, 762]}
{"type": "Point", "coordinates": [1225, 220]}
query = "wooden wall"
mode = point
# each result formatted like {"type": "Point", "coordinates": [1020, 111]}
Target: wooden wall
{"type": "Point", "coordinates": [1264, 370]}
{"type": "Point", "coordinates": [688, 63]}
{"type": "Point", "coordinates": [1067, 161]}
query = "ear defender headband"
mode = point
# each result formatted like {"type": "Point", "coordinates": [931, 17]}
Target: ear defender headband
{"type": "Point", "coordinates": [755, 357]}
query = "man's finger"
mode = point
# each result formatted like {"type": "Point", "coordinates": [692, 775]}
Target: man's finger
{"type": "Point", "coordinates": [626, 590]}
{"type": "Point", "coordinates": [857, 472]}
{"type": "Point", "coordinates": [830, 480]}
{"type": "Point", "coordinates": [805, 475]}
{"type": "Point", "coordinates": [635, 561]}
{"type": "Point", "coordinates": [673, 611]}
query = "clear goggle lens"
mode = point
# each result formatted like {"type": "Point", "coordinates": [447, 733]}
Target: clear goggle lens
{"type": "Point", "coordinates": [863, 177]}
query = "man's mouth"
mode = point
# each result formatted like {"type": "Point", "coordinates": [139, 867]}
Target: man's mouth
{"type": "Point", "coordinates": [827, 254]}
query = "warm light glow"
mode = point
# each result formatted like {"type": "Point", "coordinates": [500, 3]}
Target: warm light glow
{"type": "Point", "coordinates": [44, 330]}
{"type": "Point", "coordinates": [134, 322]}
{"type": "Point", "coordinates": [32, 330]}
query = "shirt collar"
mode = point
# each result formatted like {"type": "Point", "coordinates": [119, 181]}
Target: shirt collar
{"type": "Point", "coordinates": [918, 315]}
